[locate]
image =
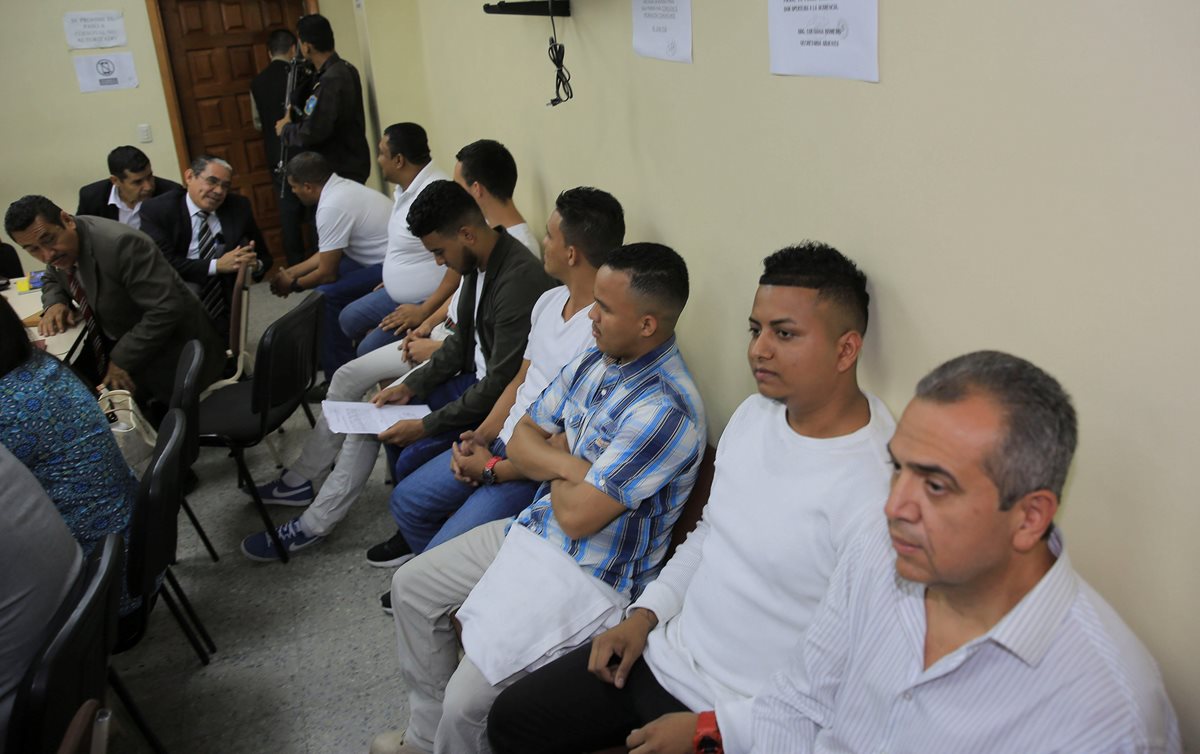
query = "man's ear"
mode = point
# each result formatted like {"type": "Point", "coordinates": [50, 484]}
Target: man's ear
{"type": "Point", "coordinates": [467, 234]}
{"type": "Point", "coordinates": [574, 256]}
{"type": "Point", "coordinates": [1033, 513]}
{"type": "Point", "coordinates": [188, 175]}
{"type": "Point", "coordinates": [66, 219]}
{"type": "Point", "coordinates": [849, 346]}
{"type": "Point", "coordinates": [649, 325]}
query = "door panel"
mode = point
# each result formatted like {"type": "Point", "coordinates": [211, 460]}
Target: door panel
{"type": "Point", "coordinates": [216, 47]}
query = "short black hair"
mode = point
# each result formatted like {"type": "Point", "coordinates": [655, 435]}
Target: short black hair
{"type": "Point", "coordinates": [280, 41]}
{"type": "Point", "coordinates": [309, 167]}
{"type": "Point", "coordinates": [443, 207]}
{"type": "Point", "coordinates": [490, 163]}
{"type": "Point", "coordinates": [655, 272]}
{"type": "Point", "coordinates": [408, 140]}
{"type": "Point", "coordinates": [592, 221]}
{"type": "Point", "coordinates": [812, 264]}
{"type": "Point", "coordinates": [15, 349]}
{"type": "Point", "coordinates": [24, 211]}
{"type": "Point", "coordinates": [127, 159]}
{"type": "Point", "coordinates": [315, 30]}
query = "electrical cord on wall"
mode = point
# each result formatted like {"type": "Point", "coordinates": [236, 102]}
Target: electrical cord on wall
{"type": "Point", "coordinates": [562, 77]}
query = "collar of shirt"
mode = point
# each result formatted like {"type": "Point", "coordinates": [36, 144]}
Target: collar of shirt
{"type": "Point", "coordinates": [193, 209]}
{"type": "Point", "coordinates": [428, 173]}
{"type": "Point", "coordinates": [114, 199]}
{"type": "Point", "coordinates": [1028, 630]}
{"type": "Point", "coordinates": [649, 360]}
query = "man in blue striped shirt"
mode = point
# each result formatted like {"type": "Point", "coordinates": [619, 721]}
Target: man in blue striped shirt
{"type": "Point", "coordinates": [960, 625]}
{"type": "Point", "coordinates": [617, 441]}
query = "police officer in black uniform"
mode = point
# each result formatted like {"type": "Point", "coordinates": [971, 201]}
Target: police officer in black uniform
{"type": "Point", "coordinates": [268, 92]}
{"type": "Point", "coordinates": [333, 122]}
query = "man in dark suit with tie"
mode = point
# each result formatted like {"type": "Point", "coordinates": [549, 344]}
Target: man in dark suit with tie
{"type": "Point", "coordinates": [136, 311]}
{"type": "Point", "coordinates": [207, 233]}
{"type": "Point", "coordinates": [130, 182]}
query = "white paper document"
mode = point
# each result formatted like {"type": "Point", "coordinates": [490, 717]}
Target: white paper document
{"type": "Point", "coordinates": [93, 29]}
{"type": "Point", "coordinates": [354, 418]}
{"type": "Point", "coordinates": [838, 38]}
{"type": "Point", "coordinates": [663, 29]}
{"type": "Point", "coordinates": [98, 73]}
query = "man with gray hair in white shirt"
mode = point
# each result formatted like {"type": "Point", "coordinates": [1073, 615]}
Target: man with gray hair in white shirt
{"type": "Point", "coordinates": [960, 625]}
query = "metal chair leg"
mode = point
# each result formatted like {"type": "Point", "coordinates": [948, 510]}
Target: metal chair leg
{"type": "Point", "coordinates": [258, 503]}
{"type": "Point", "coordinates": [312, 421]}
{"type": "Point", "coordinates": [139, 721]}
{"type": "Point", "coordinates": [183, 626]}
{"type": "Point", "coordinates": [212, 553]}
{"type": "Point", "coordinates": [186, 604]}
{"type": "Point", "coordinates": [274, 451]}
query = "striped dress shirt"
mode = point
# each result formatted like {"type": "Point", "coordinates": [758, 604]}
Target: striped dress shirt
{"type": "Point", "coordinates": [1059, 673]}
{"type": "Point", "coordinates": [641, 426]}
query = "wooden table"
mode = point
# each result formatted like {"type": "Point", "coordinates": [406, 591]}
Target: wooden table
{"type": "Point", "coordinates": [65, 345]}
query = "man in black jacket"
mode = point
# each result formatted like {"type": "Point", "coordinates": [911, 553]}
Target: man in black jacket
{"type": "Point", "coordinates": [130, 182]}
{"type": "Point", "coordinates": [207, 233]}
{"type": "Point", "coordinates": [333, 124]}
{"type": "Point", "coordinates": [268, 91]}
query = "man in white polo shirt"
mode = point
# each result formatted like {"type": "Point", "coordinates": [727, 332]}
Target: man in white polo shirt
{"type": "Point", "coordinates": [410, 274]}
{"type": "Point", "coordinates": [352, 242]}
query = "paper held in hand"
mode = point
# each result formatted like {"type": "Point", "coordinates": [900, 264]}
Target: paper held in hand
{"type": "Point", "coordinates": [355, 418]}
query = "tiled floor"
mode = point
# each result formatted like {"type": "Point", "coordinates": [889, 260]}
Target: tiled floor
{"type": "Point", "coordinates": [306, 658]}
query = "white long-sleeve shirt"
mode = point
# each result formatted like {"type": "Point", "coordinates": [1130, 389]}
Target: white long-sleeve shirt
{"type": "Point", "coordinates": [737, 595]}
{"type": "Point", "coordinates": [1059, 673]}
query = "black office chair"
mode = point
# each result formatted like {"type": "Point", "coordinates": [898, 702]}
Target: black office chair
{"type": "Point", "coordinates": [186, 396]}
{"type": "Point", "coordinates": [153, 534]}
{"type": "Point", "coordinates": [240, 416]}
{"type": "Point", "coordinates": [71, 667]}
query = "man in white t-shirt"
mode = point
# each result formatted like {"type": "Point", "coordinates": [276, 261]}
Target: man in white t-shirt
{"type": "Point", "coordinates": [474, 482]}
{"type": "Point", "coordinates": [355, 454]}
{"type": "Point", "coordinates": [410, 274]}
{"type": "Point", "coordinates": [797, 466]}
{"type": "Point", "coordinates": [352, 242]}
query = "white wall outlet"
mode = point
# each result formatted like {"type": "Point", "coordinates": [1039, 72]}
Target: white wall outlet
{"type": "Point", "coordinates": [145, 136]}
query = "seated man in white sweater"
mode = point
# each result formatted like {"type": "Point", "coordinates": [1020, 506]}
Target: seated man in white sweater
{"type": "Point", "coordinates": [797, 466]}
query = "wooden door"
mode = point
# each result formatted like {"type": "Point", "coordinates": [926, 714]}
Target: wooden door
{"type": "Point", "coordinates": [216, 47]}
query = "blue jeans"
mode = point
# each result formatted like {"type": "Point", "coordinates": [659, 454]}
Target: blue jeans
{"type": "Point", "coordinates": [431, 506]}
{"type": "Point", "coordinates": [360, 320]}
{"type": "Point", "coordinates": [408, 459]}
{"type": "Point", "coordinates": [354, 281]}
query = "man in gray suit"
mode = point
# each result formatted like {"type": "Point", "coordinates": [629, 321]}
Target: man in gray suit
{"type": "Point", "coordinates": [136, 311]}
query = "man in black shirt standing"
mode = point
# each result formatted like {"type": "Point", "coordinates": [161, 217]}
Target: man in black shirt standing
{"type": "Point", "coordinates": [267, 94]}
{"type": "Point", "coordinates": [333, 123]}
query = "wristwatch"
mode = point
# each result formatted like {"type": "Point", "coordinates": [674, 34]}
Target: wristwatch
{"type": "Point", "coordinates": [708, 735]}
{"type": "Point", "coordinates": [489, 470]}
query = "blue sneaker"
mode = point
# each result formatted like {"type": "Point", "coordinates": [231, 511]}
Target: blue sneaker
{"type": "Point", "coordinates": [278, 493]}
{"type": "Point", "coordinates": [260, 547]}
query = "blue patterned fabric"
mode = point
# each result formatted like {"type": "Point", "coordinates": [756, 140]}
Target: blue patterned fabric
{"type": "Point", "coordinates": [641, 426]}
{"type": "Point", "coordinates": [51, 423]}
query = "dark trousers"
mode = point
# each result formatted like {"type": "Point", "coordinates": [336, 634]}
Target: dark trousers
{"type": "Point", "coordinates": [562, 708]}
{"type": "Point", "coordinates": [408, 459]}
{"type": "Point", "coordinates": [293, 216]}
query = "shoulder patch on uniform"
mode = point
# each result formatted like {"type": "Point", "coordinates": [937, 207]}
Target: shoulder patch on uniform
{"type": "Point", "coordinates": [310, 105]}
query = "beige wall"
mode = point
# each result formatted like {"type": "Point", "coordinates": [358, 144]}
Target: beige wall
{"type": "Point", "coordinates": [1025, 177]}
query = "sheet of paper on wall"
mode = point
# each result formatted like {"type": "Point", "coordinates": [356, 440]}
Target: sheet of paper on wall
{"type": "Point", "coordinates": [837, 38]}
{"type": "Point", "coordinates": [663, 29]}
{"type": "Point", "coordinates": [91, 30]}
{"type": "Point", "coordinates": [353, 418]}
{"type": "Point", "coordinates": [99, 73]}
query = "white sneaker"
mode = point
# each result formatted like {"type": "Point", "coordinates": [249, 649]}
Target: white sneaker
{"type": "Point", "coordinates": [392, 742]}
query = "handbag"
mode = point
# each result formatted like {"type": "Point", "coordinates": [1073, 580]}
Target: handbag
{"type": "Point", "coordinates": [134, 435]}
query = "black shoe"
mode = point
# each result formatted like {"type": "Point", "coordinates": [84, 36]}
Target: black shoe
{"type": "Point", "coordinates": [317, 393]}
{"type": "Point", "coordinates": [385, 600]}
{"type": "Point", "coordinates": [391, 553]}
